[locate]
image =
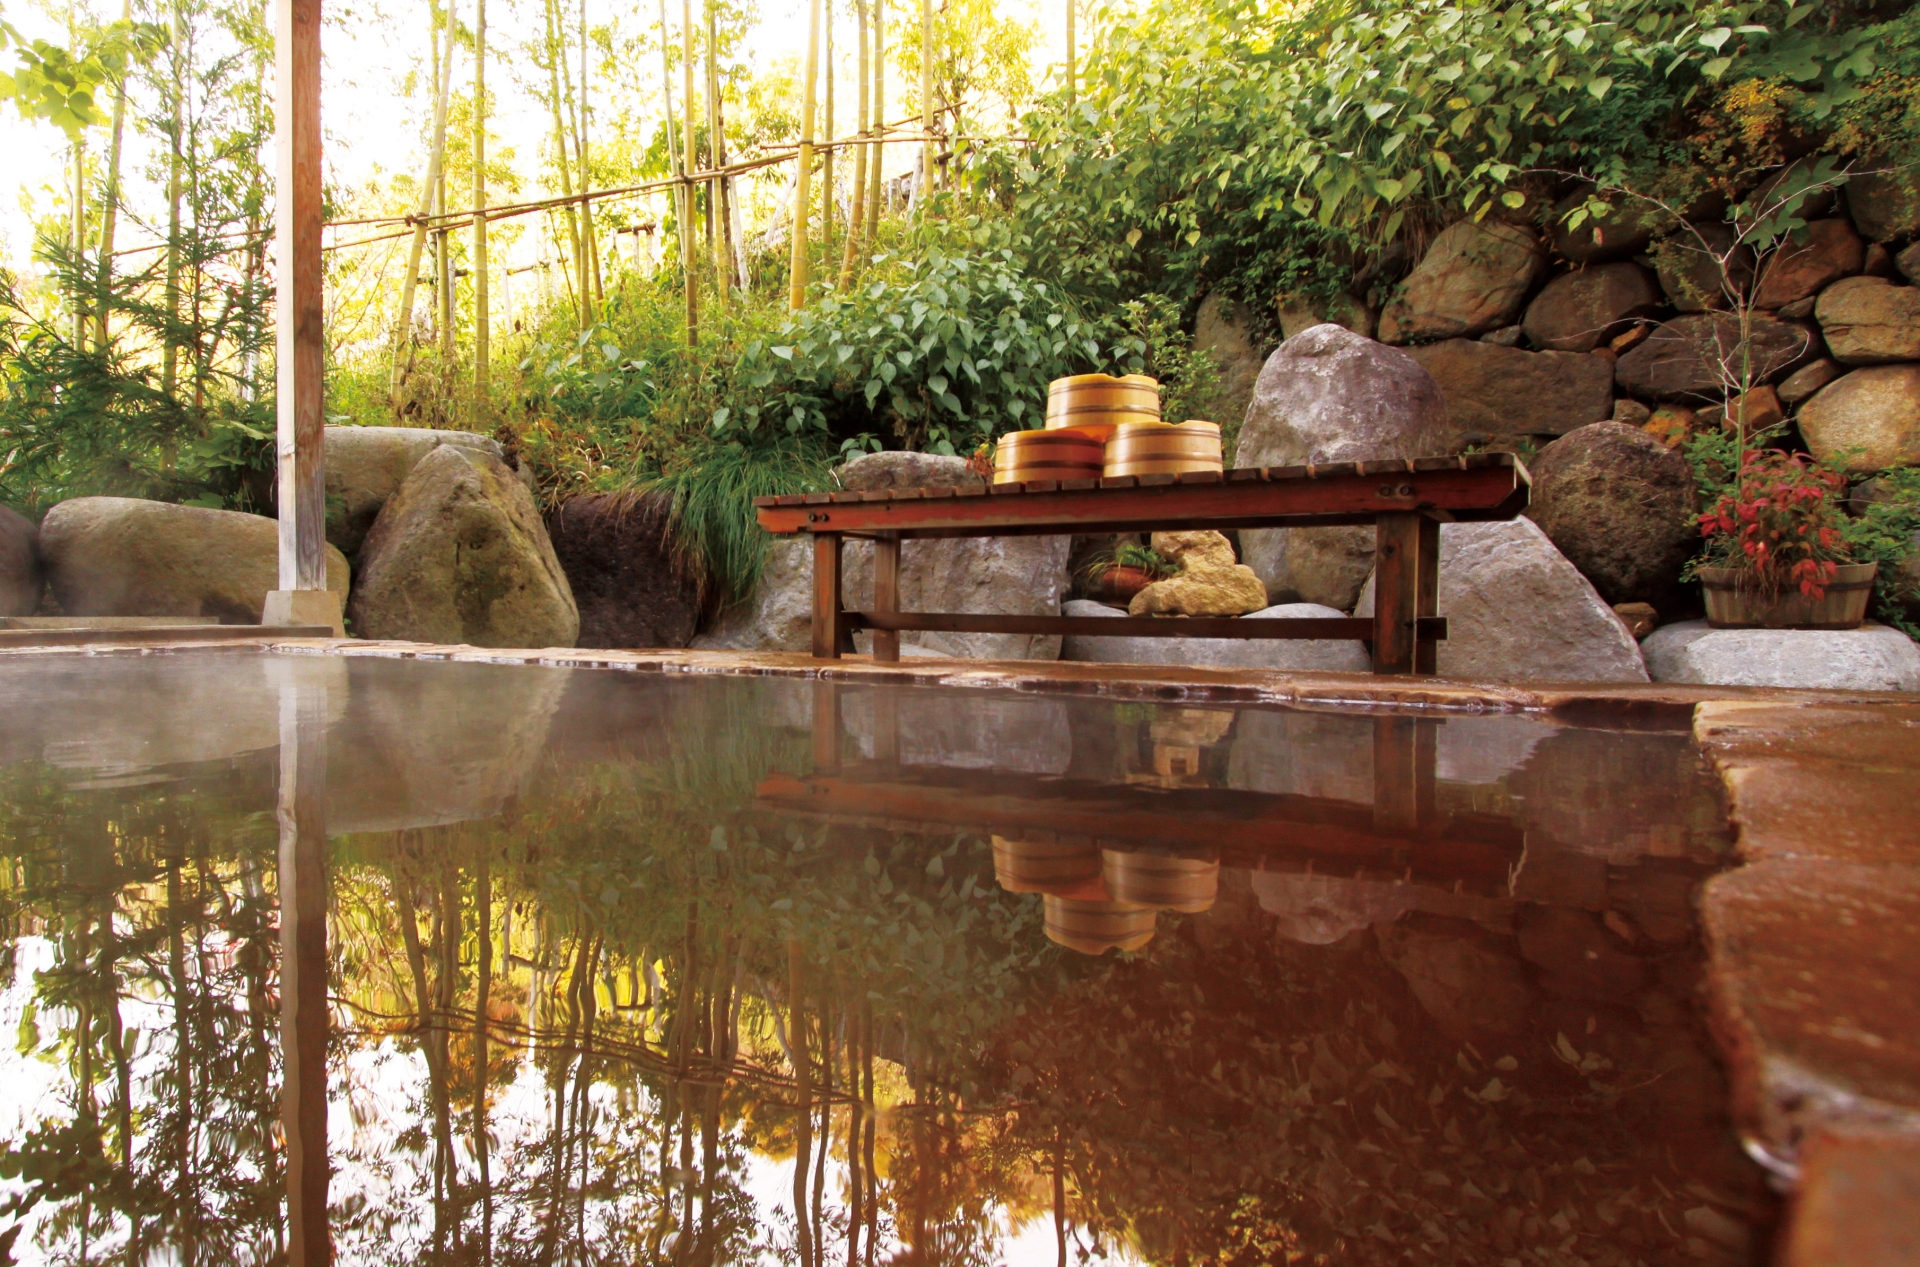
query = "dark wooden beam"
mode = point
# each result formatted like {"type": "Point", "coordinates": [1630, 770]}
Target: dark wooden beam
{"type": "Point", "coordinates": [1358, 628]}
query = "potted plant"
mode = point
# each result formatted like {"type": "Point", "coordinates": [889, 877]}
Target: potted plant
{"type": "Point", "coordinates": [1116, 575]}
{"type": "Point", "coordinates": [1777, 556]}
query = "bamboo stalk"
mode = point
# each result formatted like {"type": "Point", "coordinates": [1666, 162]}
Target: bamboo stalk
{"type": "Point", "coordinates": [720, 237]}
{"type": "Point", "coordinates": [481, 318]}
{"type": "Point", "coordinates": [436, 155]}
{"type": "Point", "coordinates": [1072, 61]}
{"type": "Point", "coordinates": [926, 98]}
{"type": "Point", "coordinates": [687, 240]}
{"type": "Point", "coordinates": [875, 175]}
{"type": "Point", "coordinates": [803, 177]}
{"type": "Point", "coordinates": [827, 187]}
{"type": "Point", "coordinates": [110, 197]}
{"type": "Point", "coordinates": [856, 226]}
{"type": "Point", "coordinates": [556, 69]}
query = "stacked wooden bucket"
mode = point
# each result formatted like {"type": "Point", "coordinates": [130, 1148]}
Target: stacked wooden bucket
{"type": "Point", "coordinates": [1095, 899]}
{"type": "Point", "coordinates": [1099, 425]}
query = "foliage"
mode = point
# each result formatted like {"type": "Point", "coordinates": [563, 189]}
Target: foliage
{"type": "Point", "coordinates": [1781, 523]}
{"type": "Point", "coordinates": [712, 483]}
{"type": "Point", "coordinates": [57, 84]}
{"type": "Point", "coordinates": [1884, 531]}
{"type": "Point", "coordinates": [1127, 554]}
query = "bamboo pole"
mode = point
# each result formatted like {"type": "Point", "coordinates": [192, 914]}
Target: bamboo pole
{"type": "Point", "coordinates": [436, 155]}
{"type": "Point", "coordinates": [169, 351]}
{"type": "Point", "coordinates": [1072, 61]}
{"type": "Point", "coordinates": [803, 176]}
{"type": "Point", "coordinates": [926, 98]}
{"type": "Point", "coordinates": [110, 198]}
{"type": "Point", "coordinates": [589, 239]}
{"type": "Point", "coordinates": [856, 225]}
{"type": "Point", "coordinates": [875, 173]}
{"type": "Point", "coordinates": [481, 317]}
{"type": "Point", "coordinates": [687, 233]}
{"type": "Point", "coordinates": [556, 67]}
{"type": "Point", "coordinates": [827, 187]}
{"type": "Point", "coordinates": [720, 237]}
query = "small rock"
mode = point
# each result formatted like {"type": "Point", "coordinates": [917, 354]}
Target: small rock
{"type": "Point", "coordinates": [1699, 355]}
{"type": "Point", "coordinates": [1630, 338]}
{"type": "Point", "coordinates": [1496, 393]}
{"type": "Point", "coordinates": [459, 555]}
{"type": "Point", "coordinates": [1868, 419]}
{"type": "Point", "coordinates": [1908, 261]}
{"type": "Point", "coordinates": [618, 556]}
{"type": "Point", "coordinates": [1579, 311]}
{"type": "Point", "coordinates": [1698, 265]}
{"type": "Point", "coordinates": [1885, 201]}
{"type": "Point", "coordinates": [1877, 261]}
{"type": "Point", "coordinates": [21, 579]}
{"type": "Point", "coordinates": [1210, 582]}
{"type": "Point", "coordinates": [1621, 233]}
{"type": "Point", "coordinates": [1621, 507]}
{"type": "Point", "coordinates": [1505, 336]}
{"type": "Point", "coordinates": [1671, 425]}
{"type": "Point", "coordinates": [1870, 658]}
{"type": "Point", "coordinates": [1809, 379]}
{"type": "Point", "coordinates": [1473, 278]}
{"type": "Point", "coordinates": [1808, 261]}
{"type": "Point", "coordinates": [1329, 395]}
{"type": "Point", "coordinates": [1870, 321]}
{"type": "Point", "coordinates": [1752, 411]}
{"type": "Point", "coordinates": [1300, 313]}
{"type": "Point", "coordinates": [1641, 618]}
{"type": "Point", "coordinates": [1798, 310]}
{"type": "Point", "coordinates": [1292, 655]}
{"type": "Point", "coordinates": [1631, 412]}
{"type": "Point", "coordinates": [1518, 611]}
{"type": "Point", "coordinates": [1221, 329]}
{"type": "Point", "coordinates": [367, 465]}
{"type": "Point", "coordinates": [121, 556]}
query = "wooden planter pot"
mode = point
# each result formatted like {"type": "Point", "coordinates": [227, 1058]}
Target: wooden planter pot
{"type": "Point", "coordinates": [1094, 928]}
{"type": "Point", "coordinates": [1032, 866]}
{"type": "Point", "coordinates": [1735, 602]}
{"type": "Point", "coordinates": [1120, 584]}
{"type": "Point", "coordinates": [1187, 885]}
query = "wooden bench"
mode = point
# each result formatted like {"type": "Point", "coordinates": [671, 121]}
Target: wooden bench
{"type": "Point", "coordinates": [1405, 500]}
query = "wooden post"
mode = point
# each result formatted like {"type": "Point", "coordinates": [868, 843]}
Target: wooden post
{"type": "Point", "coordinates": [826, 595]}
{"type": "Point", "coordinates": [300, 322]}
{"type": "Point", "coordinates": [886, 597]}
{"type": "Point", "coordinates": [303, 965]}
{"type": "Point", "coordinates": [886, 726]}
{"type": "Point", "coordinates": [826, 728]}
{"type": "Point", "coordinates": [1396, 592]}
{"type": "Point", "coordinates": [1426, 600]}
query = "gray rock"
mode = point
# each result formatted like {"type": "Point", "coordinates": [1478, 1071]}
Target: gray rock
{"type": "Point", "coordinates": [1804, 382]}
{"type": "Point", "coordinates": [1329, 395]}
{"type": "Point", "coordinates": [1697, 265]}
{"type": "Point", "coordinates": [1474, 278]}
{"type": "Point", "coordinates": [1578, 311]}
{"type": "Point", "coordinates": [459, 555]}
{"type": "Point", "coordinates": [367, 465]}
{"type": "Point", "coordinates": [21, 578]}
{"type": "Point", "coordinates": [1500, 394]}
{"type": "Point", "coordinates": [1808, 261]}
{"type": "Point", "coordinates": [1870, 321]}
{"type": "Point", "coordinates": [1868, 419]}
{"type": "Point", "coordinates": [1221, 329]}
{"type": "Point", "coordinates": [1621, 507]}
{"type": "Point", "coordinates": [1870, 658]}
{"type": "Point", "coordinates": [1518, 611]}
{"type": "Point", "coordinates": [1698, 357]}
{"type": "Point", "coordinates": [1885, 203]}
{"type": "Point", "coordinates": [121, 556]}
{"type": "Point", "coordinates": [987, 575]}
{"type": "Point", "coordinates": [1317, 655]}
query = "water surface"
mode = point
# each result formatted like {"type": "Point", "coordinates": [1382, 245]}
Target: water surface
{"type": "Point", "coordinates": [473, 964]}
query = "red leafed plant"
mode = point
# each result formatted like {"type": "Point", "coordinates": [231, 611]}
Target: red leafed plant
{"type": "Point", "coordinates": [1780, 521]}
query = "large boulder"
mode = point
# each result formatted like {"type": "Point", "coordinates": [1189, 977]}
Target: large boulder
{"type": "Point", "coordinates": [1870, 658]}
{"type": "Point", "coordinates": [1221, 329]}
{"type": "Point", "coordinates": [1473, 279]}
{"type": "Point", "coordinates": [367, 465]}
{"type": "Point", "coordinates": [1700, 356]}
{"type": "Point", "coordinates": [1621, 506]}
{"type": "Point", "coordinates": [1209, 583]}
{"type": "Point", "coordinates": [629, 587]}
{"type": "Point", "coordinates": [1303, 655]}
{"type": "Point", "coordinates": [778, 614]}
{"type": "Point", "coordinates": [1869, 419]}
{"type": "Point", "coordinates": [1329, 395]}
{"type": "Point", "coordinates": [1885, 202]}
{"type": "Point", "coordinates": [120, 556]}
{"type": "Point", "coordinates": [1518, 611]}
{"type": "Point", "coordinates": [1808, 261]}
{"type": "Point", "coordinates": [1495, 393]}
{"type": "Point", "coordinates": [459, 555]}
{"type": "Point", "coordinates": [21, 578]}
{"type": "Point", "coordinates": [1578, 311]}
{"type": "Point", "coordinates": [1870, 321]}
{"type": "Point", "coordinates": [1698, 264]}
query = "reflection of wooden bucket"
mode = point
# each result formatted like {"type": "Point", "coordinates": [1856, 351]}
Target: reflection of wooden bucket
{"type": "Point", "coordinates": [1152, 879]}
{"type": "Point", "coordinates": [1161, 448]}
{"type": "Point", "coordinates": [1094, 928]}
{"type": "Point", "coordinates": [1098, 403]}
{"type": "Point", "coordinates": [1032, 866]}
{"type": "Point", "coordinates": [1063, 454]}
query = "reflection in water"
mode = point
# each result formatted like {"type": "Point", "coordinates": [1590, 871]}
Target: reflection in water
{"type": "Point", "coordinates": [584, 967]}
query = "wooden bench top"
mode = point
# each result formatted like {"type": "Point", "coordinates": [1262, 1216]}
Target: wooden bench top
{"type": "Point", "coordinates": [1471, 487]}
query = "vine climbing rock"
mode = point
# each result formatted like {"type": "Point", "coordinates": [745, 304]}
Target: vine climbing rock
{"type": "Point", "coordinates": [122, 556]}
{"type": "Point", "coordinates": [631, 589]}
{"type": "Point", "coordinates": [1518, 611]}
{"type": "Point", "coordinates": [459, 555]}
{"type": "Point", "coordinates": [367, 465]}
{"type": "Point", "coordinates": [1474, 278]}
{"type": "Point", "coordinates": [1621, 506]}
{"type": "Point", "coordinates": [1330, 395]}
{"type": "Point", "coordinates": [1210, 582]}
{"type": "Point", "coordinates": [21, 579]}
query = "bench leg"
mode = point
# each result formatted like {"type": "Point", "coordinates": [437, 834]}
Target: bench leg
{"type": "Point", "coordinates": [886, 597]}
{"type": "Point", "coordinates": [1426, 600]}
{"type": "Point", "coordinates": [1396, 591]}
{"type": "Point", "coordinates": [827, 626]}
{"type": "Point", "coordinates": [826, 728]}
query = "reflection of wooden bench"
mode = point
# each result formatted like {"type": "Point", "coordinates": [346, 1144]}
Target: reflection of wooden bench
{"type": "Point", "coordinates": [1406, 501]}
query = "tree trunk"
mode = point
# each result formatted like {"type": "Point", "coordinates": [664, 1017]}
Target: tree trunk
{"type": "Point", "coordinates": [802, 1074]}
{"type": "Point", "coordinates": [176, 108]}
{"type": "Point", "coordinates": [856, 221]}
{"type": "Point", "coordinates": [803, 175]}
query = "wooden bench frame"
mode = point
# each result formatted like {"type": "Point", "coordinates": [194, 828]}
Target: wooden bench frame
{"type": "Point", "coordinates": [1405, 500]}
